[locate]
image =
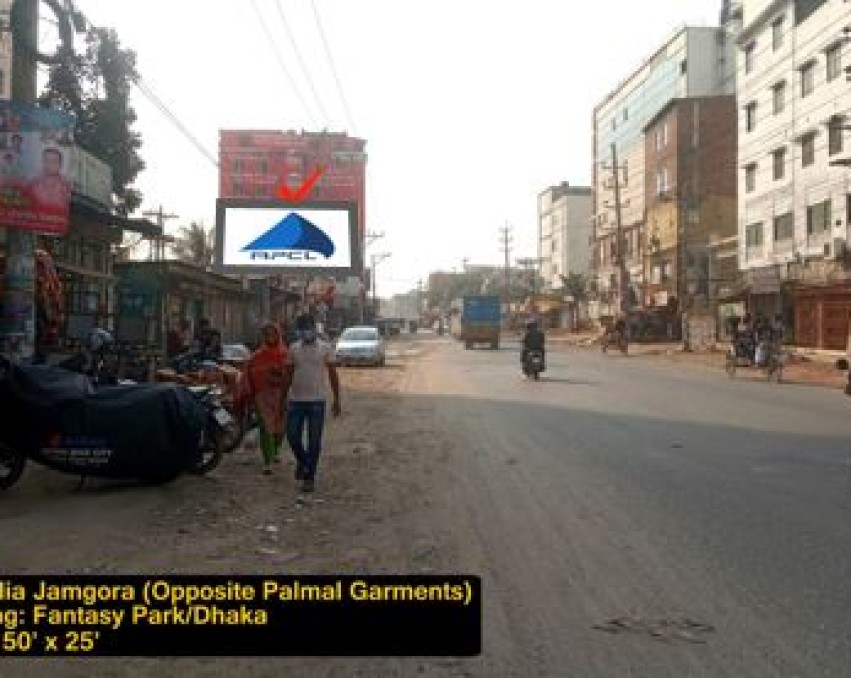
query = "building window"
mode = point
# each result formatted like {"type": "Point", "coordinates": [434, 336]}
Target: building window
{"type": "Point", "coordinates": [807, 79]}
{"type": "Point", "coordinates": [818, 218]}
{"type": "Point", "coordinates": [808, 150]}
{"type": "Point", "coordinates": [779, 98]}
{"type": "Point", "coordinates": [834, 62]}
{"type": "Point", "coordinates": [657, 137]}
{"type": "Point", "coordinates": [754, 235]}
{"type": "Point", "coordinates": [665, 134]}
{"type": "Point", "coordinates": [750, 52]}
{"type": "Point", "coordinates": [777, 34]}
{"type": "Point", "coordinates": [835, 141]}
{"type": "Point", "coordinates": [264, 167]}
{"type": "Point", "coordinates": [779, 157]}
{"type": "Point", "coordinates": [683, 67]}
{"type": "Point", "coordinates": [750, 178]}
{"type": "Point", "coordinates": [625, 115]}
{"type": "Point", "coordinates": [784, 227]}
{"type": "Point", "coordinates": [750, 116]}
{"type": "Point", "coordinates": [2, 81]}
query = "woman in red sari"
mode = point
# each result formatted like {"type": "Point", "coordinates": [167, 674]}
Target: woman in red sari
{"type": "Point", "coordinates": [265, 387]}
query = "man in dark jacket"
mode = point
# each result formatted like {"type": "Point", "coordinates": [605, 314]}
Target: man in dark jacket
{"type": "Point", "coordinates": [533, 340]}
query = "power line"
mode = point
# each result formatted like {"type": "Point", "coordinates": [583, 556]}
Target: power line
{"type": "Point", "coordinates": [330, 57]}
{"type": "Point", "coordinates": [301, 61]}
{"type": "Point", "coordinates": [146, 90]}
{"type": "Point", "coordinates": [281, 63]}
{"type": "Point", "coordinates": [148, 93]}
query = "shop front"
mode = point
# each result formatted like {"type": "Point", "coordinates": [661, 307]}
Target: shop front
{"type": "Point", "coordinates": [156, 296]}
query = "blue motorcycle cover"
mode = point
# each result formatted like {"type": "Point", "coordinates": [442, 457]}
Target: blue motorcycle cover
{"type": "Point", "coordinates": [145, 431]}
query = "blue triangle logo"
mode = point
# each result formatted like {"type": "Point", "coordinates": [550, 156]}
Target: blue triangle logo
{"type": "Point", "coordinates": [293, 233]}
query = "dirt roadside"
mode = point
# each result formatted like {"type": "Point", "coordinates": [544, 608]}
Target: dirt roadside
{"type": "Point", "coordinates": [798, 370]}
{"type": "Point", "coordinates": [373, 513]}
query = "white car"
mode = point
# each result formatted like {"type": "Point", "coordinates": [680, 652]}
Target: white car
{"type": "Point", "coordinates": [361, 346]}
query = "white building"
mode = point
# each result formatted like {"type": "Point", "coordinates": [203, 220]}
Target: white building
{"type": "Point", "coordinates": [794, 206]}
{"type": "Point", "coordinates": [564, 233]}
{"type": "Point", "coordinates": [695, 62]}
{"type": "Point", "coordinates": [5, 52]}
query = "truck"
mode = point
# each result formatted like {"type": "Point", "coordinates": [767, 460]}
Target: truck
{"type": "Point", "coordinates": [480, 321]}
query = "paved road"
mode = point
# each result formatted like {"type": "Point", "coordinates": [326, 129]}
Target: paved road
{"type": "Point", "coordinates": [630, 487]}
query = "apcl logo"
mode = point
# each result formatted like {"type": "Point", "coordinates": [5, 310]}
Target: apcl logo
{"type": "Point", "coordinates": [293, 238]}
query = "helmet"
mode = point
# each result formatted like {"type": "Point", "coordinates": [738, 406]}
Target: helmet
{"type": "Point", "coordinates": [100, 339]}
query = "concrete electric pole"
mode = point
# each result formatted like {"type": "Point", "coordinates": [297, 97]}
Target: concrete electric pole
{"type": "Point", "coordinates": [19, 322]}
{"type": "Point", "coordinates": [505, 245]}
{"type": "Point", "coordinates": [157, 247]}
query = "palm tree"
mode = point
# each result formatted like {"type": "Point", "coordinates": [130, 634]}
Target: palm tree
{"type": "Point", "coordinates": [194, 245]}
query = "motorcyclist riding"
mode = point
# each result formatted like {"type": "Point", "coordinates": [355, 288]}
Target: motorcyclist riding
{"type": "Point", "coordinates": [533, 340]}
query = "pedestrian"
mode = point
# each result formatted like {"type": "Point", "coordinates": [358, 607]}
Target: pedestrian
{"type": "Point", "coordinates": [265, 382]}
{"type": "Point", "coordinates": [308, 361]}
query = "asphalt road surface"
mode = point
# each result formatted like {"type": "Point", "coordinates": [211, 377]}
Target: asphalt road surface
{"type": "Point", "coordinates": [631, 517]}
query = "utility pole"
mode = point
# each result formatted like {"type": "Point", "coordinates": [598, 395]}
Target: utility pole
{"type": "Point", "coordinates": [375, 260]}
{"type": "Point", "coordinates": [506, 241]}
{"type": "Point", "coordinates": [622, 300]}
{"type": "Point", "coordinates": [369, 239]}
{"type": "Point", "coordinates": [156, 252]}
{"type": "Point", "coordinates": [18, 326]}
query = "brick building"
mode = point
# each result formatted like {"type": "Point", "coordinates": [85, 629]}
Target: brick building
{"type": "Point", "coordinates": [690, 198]}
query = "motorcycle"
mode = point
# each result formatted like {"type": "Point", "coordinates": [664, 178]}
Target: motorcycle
{"type": "Point", "coordinates": [617, 339]}
{"type": "Point", "coordinates": [63, 422]}
{"type": "Point", "coordinates": [192, 369]}
{"type": "Point", "coordinates": [533, 364]}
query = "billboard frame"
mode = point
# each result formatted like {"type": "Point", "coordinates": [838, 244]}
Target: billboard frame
{"type": "Point", "coordinates": [223, 204]}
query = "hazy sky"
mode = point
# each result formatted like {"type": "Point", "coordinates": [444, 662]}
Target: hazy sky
{"type": "Point", "coordinates": [470, 107]}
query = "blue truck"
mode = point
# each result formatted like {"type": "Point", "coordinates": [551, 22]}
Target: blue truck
{"type": "Point", "coordinates": [480, 321]}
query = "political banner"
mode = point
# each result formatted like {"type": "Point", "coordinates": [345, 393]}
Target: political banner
{"type": "Point", "coordinates": [36, 167]}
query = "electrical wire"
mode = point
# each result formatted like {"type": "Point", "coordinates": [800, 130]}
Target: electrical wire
{"type": "Point", "coordinates": [149, 94]}
{"type": "Point", "coordinates": [331, 63]}
{"type": "Point", "coordinates": [301, 61]}
{"type": "Point", "coordinates": [281, 63]}
{"type": "Point", "coordinates": [146, 90]}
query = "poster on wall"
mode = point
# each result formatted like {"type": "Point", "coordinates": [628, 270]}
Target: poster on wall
{"type": "Point", "coordinates": [36, 168]}
{"type": "Point", "coordinates": [274, 238]}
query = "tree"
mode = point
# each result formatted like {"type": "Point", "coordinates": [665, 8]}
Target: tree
{"type": "Point", "coordinates": [95, 87]}
{"type": "Point", "coordinates": [195, 245]}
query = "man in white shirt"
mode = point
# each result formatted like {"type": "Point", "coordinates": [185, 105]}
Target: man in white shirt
{"type": "Point", "coordinates": [309, 359]}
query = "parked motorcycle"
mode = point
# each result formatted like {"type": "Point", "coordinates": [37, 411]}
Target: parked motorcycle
{"type": "Point", "coordinates": [533, 364]}
{"type": "Point", "coordinates": [192, 369]}
{"type": "Point", "coordinates": [146, 432]}
{"type": "Point", "coordinates": [617, 339]}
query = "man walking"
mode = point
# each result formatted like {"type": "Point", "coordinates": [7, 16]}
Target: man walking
{"type": "Point", "coordinates": [308, 361]}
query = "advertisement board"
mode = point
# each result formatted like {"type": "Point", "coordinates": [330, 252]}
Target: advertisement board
{"type": "Point", "coordinates": [270, 237]}
{"type": "Point", "coordinates": [36, 167]}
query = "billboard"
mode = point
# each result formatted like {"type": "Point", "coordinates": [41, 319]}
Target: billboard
{"type": "Point", "coordinates": [271, 237]}
{"type": "Point", "coordinates": [36, 167]}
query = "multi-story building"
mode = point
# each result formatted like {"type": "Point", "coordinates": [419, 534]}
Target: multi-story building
{"type": "Point", "coordinates": [5, 52]}
{"type": "Point", "coordinates": [794, 208]}
{"type": "Point", "coordinates": [690, 198]}
{"type": "Point", "coordinates": [695, 62]}
{"type": "Point", "coordinates": [564, 231]}
{"type": "Point", "coordinates": [253, 163]}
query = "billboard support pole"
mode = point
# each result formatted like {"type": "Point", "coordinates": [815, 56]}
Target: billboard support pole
{"type": "Point", "coordinates": [19, 289]}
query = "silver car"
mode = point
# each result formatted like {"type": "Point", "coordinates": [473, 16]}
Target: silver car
{"type": "Point", "coordinates": [361, 346]}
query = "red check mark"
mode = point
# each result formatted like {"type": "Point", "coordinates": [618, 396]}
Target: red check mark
{"type": "Point", "coordinates": [301, 193]}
